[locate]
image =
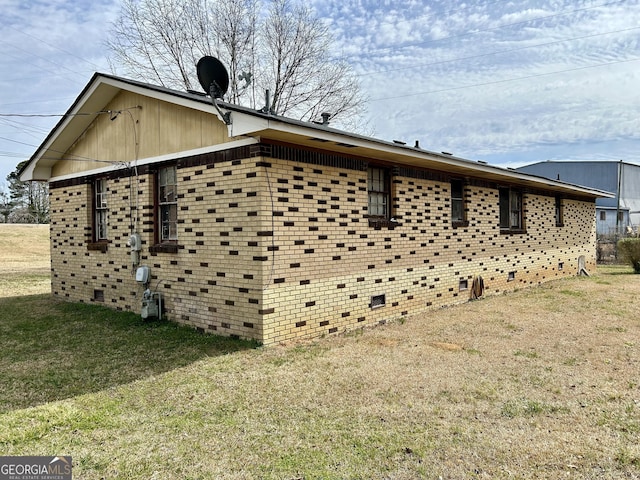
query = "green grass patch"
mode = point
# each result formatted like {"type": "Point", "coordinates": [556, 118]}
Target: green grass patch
{"type": "Point", "coordinates": [626, 421]}
{"type": "Point", "coordinates": [53, 350]}
{"type": "Point", "coordinates": [626, 458]}
{"type": "Point", "coordinates": [529, 408]}
{"type": "Point", "coordinates": [526, 353]}
{"type": "Point", "coordinates": [472, 351]}
{"type": "Point", "coordinates": [547, 391]}
{"type": "Point", "coordinates": [572, 293]}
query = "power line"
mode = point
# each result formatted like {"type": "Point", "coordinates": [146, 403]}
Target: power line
{"type": "Point", "coordinates": [497, 82]}
{"type": "Point", "coordinates": [16, 141]}
{"type": "Point", "coordinates": [499, 52]}
{"type": "Point", "coordinates": [54, 47]}
{"type": "Point", "coordinates": [49, 100]}
{"type": "Point", "coordinates": [71, 157]}
{"type": "Point", "coordinates": [57, 65]}
{"type": "Point", "coordinates": [37, 134]}
{"type": "Point", "coordinates": [12, 154]}
{"type": "Point", "coordinates": [47, 115]}
{"type": "Point", "coordinates": [79, 114]}
{"type": "Point", "coordinates": [68, 156]}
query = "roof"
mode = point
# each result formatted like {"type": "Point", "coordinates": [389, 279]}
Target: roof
{"type": "Point", "coordinates": [608, 175]}
{"type": "Point", "coordinates": [246, 122]}
{"type": "Point", "coordinates": [583, 162]}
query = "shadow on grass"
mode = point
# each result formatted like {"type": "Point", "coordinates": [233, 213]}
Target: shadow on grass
{"type": "Point", "coordinates": [53, 350]}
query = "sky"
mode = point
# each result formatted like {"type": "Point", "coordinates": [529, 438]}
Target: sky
{"type": "Point", "coordinates": [507, 82]}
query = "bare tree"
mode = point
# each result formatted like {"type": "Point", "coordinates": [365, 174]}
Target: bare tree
{"type": "Point", "coordinates": [153, 40]}
{"type": "Point", "coordinates": [306, 81]}
{"type": "Point", "coordinates": [282, 48]}
{"type": "Point", "coordinates": [234, 25]}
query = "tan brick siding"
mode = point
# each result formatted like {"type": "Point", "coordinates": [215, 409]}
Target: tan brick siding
{"type": "Point", "coordinates": [275, 250]}
{"type": "Point", "coordinates": [335, 261]}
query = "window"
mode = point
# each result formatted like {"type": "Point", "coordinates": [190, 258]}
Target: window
{"type": "Point", "coordinates": [510, 209]}
{"type": "Point", "coordinates": [100, 209]}
{"type": "Point", "coordinates": [559, 212]}
{"type": "Point", "coordinates": [457, 202]}
{"type": "Point", "coordinates": [603, 215]}
{"type": "Point", "coordinates": [168, 203]}
{"type": "Point", "coordinates": [379, 192]}
{"type": "Point", "coordinates": [620, 216]}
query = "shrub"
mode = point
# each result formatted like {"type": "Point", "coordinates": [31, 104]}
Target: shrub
{"type": "Point", "coordinates": [629, 252]}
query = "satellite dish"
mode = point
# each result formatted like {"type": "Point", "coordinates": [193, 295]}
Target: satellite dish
{"type": "Point", "coordinates": [213, 76]}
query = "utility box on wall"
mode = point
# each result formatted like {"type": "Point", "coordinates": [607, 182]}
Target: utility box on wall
{"type": "Point", "coordinates": [151, 305]}
{"type": "Point", "coordinates": [142, 275]}
{"type": "Point", "coordinates": [151, 301]}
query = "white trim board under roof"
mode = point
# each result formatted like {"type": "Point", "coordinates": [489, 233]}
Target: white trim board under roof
{"type": "Point", "coordinates": [246, 122]}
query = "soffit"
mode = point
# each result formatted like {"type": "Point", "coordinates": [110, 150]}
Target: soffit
{"type": "Point", "coordinates": [402, 155]}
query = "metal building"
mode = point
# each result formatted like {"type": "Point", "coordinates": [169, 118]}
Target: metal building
{"type": "Point", "coordinates": [621, 178]}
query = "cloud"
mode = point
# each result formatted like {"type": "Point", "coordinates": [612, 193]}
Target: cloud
{"type": "Point", "coordinates": [48, 51]}
{"type": "Point", "coordinates": [498, 81]}
{"type": "Point", "coordinates": [496, 78]}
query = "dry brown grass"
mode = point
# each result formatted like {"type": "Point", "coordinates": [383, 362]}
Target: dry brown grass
{"type": "Point", "coordinates": [24, 259]}
{"type": "Point", "coordinates": [540, 383]}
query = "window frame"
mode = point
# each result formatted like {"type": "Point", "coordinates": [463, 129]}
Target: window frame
{"type": "Point", "coordinates": [559, 212]}
{"type": "Point", "coordinates": [100, 215]}
{"type": "Point", "coordinates": [455, 200]}
{"type": "Point", "coordinates": [384, 193]}
{"type": "Point", "coordinates": [384, 219]}
{"type": "Point", "coordinates": [165, 205]}
{"type": "Point", "coordinates": [515, 196]}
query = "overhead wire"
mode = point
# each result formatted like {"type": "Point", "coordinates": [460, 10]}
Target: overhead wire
{"type": "Point", "coordinates": [496, 82]}
{"type": "Point", "coordinates": [20, 58]}
{"type": "Point", "coordinates": [26, 127]}
{"type": "Point", "coordinates": [93, 65]}
{"type": "Point", "coordinates": [79, 114]}
{"type": "Point", "coordinates": [484, 55]}
{"type": "Point", "coordinates": [499, 52]}
{"type": "Point", "coordinates": [39, 101]}
{"type": "Point", "coordinates": [75, 157]}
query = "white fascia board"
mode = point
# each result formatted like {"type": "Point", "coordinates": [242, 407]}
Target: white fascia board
{"type": "Point", "coordinates": [244, 124]}
{"type": "Point", "coordinates": [159, 159]}
{"type": "Point", "coordinates": [30, 173]}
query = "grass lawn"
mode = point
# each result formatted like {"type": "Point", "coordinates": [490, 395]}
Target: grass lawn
{"type": "Point", "coordinates": [540, 383]}
{"type": "Point", "coordinates": [25, 267]}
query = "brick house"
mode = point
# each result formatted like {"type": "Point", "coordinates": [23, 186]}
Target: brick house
{"type": "Point", "coordinates": [269, 228]}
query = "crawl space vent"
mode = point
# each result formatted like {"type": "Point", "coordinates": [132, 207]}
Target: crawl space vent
{"type": "Point", "coordinates": [378, 301]}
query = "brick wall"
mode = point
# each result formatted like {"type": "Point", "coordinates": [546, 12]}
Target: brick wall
{"type": "Point", "coordinates": [335, 261]}
{"type": "Point", "coordinates": [277, 249]}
